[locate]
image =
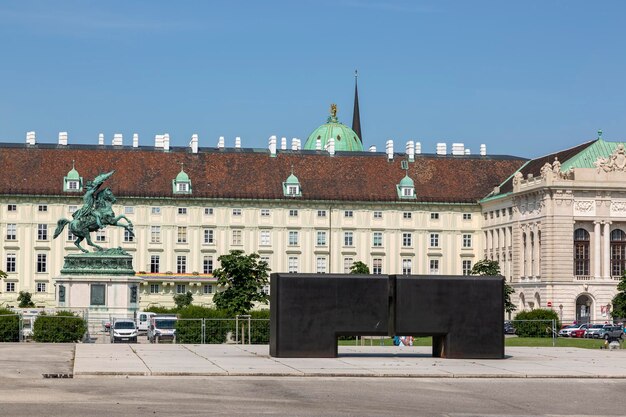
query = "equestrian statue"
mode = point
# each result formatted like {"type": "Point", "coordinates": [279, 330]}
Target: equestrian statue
{"type": "Point", "coordinates": [95, 214]}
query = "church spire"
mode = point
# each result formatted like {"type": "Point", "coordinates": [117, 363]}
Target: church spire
{"type": "Point", "coordinates": [356, 116]}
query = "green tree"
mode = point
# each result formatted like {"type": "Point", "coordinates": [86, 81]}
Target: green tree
{"type": "Point", "coordinates": [25, 299]}
{"type": "Point", "coordinates": [492, 268]}
{"type": "Point", "coordinates": [242, 277]}
{"type": "Point", "coordinates": [359, 267]}
{"type": "Point", "coordinates": [3, 274]}
{"type": "Point", "coordinates": [183, 300]}
{"type": "Point", "coordinates": [619, 301]}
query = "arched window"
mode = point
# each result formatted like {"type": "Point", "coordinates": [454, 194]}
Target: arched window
{"type": "Point", "coordinates": [618, 252]}
{"type": "Point", "coordinates": [581, 252]}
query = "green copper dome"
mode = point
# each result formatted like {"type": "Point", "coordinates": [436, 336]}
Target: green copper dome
{"type": "Point", "coordinates": [182, 176]}
{"type": "Point", "coordinates": [73, 175]}
{"type": "Point", "coordinates": [345, 138]}
{"type": "Point", "coordinates": [407, 182]}
{"type": "Point", "coordinates": [292, 179]}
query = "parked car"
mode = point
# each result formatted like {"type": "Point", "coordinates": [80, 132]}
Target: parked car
{"type": "Point", "coordinates": [592, 330]}
{"type": "Point", "coordinates": [508, 328]}
{"type": "Point", "coordinates": [143, 321]}
{"type": "Point", "coordinates": [577, 333]}
{"type": "Point", "coordinates": [124, 330]}
{"type": "Point", "coordinates": [611, 332]}
{"type": "Point", "coordinates": [567, 330]}
{"type": "Point", "coordinates": [162, 328]}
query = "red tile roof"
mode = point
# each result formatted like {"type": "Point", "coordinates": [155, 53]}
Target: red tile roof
{"type": "Point", "coordinates": [252, 173]}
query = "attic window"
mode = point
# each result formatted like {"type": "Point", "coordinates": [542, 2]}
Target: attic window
{"type": "Point", "coordinates": [181, 184]}
{"type": "Point", "coordinates": [182, 187]}
{"type": "Point", "coordinates": [73, 182]}
{"type": "Point", "coordinates": [293, 190]}
{"type": "Point", "coordinates": [406, 188]}
{"type": "Point", "coordinates": [291, 187]}
{"type": "Point", "coordinates": [407, 192]}
{"type": "Point", "coordinates": [72, 185]}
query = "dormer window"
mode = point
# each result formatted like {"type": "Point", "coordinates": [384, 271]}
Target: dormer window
{"type": "Point", "coordinates": [181, 184]}
{"type": "Point", "coordinates": [182, 187]}
{"type": "Point", "coordinates": [407, 192]}
{"type": "Point", "coordinates": [293, 190]}
{"type": "Point", "coordinates": [73, 182]}
{"type": "Point", "coordinates": [291, 187]}
{"type": "Point", "coordinates": [406, 188]}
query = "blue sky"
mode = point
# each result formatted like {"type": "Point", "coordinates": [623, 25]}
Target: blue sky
{"type": "Point", "coordinates": [525, 78]}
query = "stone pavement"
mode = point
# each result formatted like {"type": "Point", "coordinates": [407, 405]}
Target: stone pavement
{"type": "Point", "coordinates": [362, 361]}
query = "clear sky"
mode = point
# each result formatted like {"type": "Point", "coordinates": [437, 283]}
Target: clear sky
{"type": "Point", "coordinates": [526, 78]}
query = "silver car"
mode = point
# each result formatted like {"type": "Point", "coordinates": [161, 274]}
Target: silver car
{"type": "Point", "coordinates": [611, 332]}
{"type": "Point", "coordinates": [124, 330]}
{"type": "Point", "coordinates": [592, 331]}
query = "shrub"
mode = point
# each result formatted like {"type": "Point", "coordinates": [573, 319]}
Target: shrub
{"type": "Point", "coordinates": [9, 326]}
{"type": "Point", "coordinates": [161, 310]}
{"type": "Point", "coordinates": [539, 328]}
{"type": "Point", "coordinates": [62, 327]}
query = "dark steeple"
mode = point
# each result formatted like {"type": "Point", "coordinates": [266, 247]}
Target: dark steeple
{"type": "Point", "coordinates": [356, 116]}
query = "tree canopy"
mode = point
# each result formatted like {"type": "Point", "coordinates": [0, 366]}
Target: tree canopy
{"type": "Point", "coordinates": [25, 300]}
{"type": "Point", "coordinates": [242, 278]}
{"type": "Point", "coordinates": [492, 268]}
{"type": "Point", "coordinates": [619, 301]}
{"type": "Point", "coordinates": [183, 300]}
{"type": "Point", "coordinates": [359, 267]}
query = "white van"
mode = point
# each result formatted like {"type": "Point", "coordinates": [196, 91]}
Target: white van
{"type": "Point", "coordinates": [143, 321]}
{"type": "Point", "coordinates": [162, 328]}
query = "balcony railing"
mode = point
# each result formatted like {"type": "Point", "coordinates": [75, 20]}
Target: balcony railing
{"type": "Point", "coordinates": [582, 277]}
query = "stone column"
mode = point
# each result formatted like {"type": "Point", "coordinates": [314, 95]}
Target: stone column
{"type": "Point", "coordinates": [529, 255]}
{"type": "Point", "coordinates": [596, 250]}
{"type": "Point", "coordinates": [535, 250]}
{"type": "Point", "coordinates": [606, 273]}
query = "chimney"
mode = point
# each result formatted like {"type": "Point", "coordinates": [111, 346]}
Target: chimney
{"type": "Point", "coordinates": [237, 142]}
{"type": "Point", "coordinates": [483, 149]}
{"type": "Point", "coordinates": [272, 146]}
{"type": "Point", "coordinates": [418, 148]}
{"type": "Point", "coordinates": [318, 144]}
{"type": "Point", "coordinates": [31, 138]}
{"type": "Point", "coordinates": [458, 149]}
{"type": "Point", "coordinates": [135, 140]}
{"type": "Point", "coordinates": [63, 138]}
{"type": "Point", "coordinates": [299, 144]}
{"type": "Point", "coordinates": [410, 150]}
{"type": "Point", "coordinates": [194, 143]}
{"type": "Point", "coordinates": [294, 144]}
{"type": "Point", "coordinates": [372, 148]}
{"type": "Point", "coordinates": [442, 148]}
{"type": "Point", "coordinates": [118, 139]}
{"type": "Point", "coordinates": [101, 139]}
{"type": "Point", "coordinates": [166, 142]}
{"type": "Point", "coordinates": [283, 143]}
{"type": "Point", "coordinates": [389, 148]}
{"type": "Point", "coordinates": [220, 142]}
{"type": "Point", "coordinates": [331, 146]}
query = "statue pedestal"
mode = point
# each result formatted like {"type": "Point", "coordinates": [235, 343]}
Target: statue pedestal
{"type": "Point", "coordinates": [103, 284]}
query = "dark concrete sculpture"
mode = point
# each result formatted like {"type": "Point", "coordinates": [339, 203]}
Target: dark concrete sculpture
{"type": "Point", "coordinates": [465, 315]}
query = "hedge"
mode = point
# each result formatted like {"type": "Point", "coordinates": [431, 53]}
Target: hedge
{"type": "Point", "coordinates": [9, 326]}
{"type": "Point", "coordinates": [62, 327]}
{"type": "Point", "coordinates": [218, 324]}
{"type": "Point", "coordinates": [536, 328]}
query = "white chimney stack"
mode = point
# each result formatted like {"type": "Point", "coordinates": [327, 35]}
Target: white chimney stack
{"type": "Point", "coordinates": [299, 144]}
{"type": "Point", "coordinates": [135, 140]}
{"type": "Point", "coordinates": [272, 146]}
{"type": "Point", "coordinates": [194, 143]}
{"type": "Point", "coordinates": [101, 139]}
{"type": "Point", "coordinates": [410, 150]}
{"type": "Point", "coordinates": [63, 138]}
{"type": "Point", "coordinates": [372, 148]}
{"type": "Point", "coordinates": [442, 148]}
{"type": "Point", "coordinates": [118, 139]}
{"type": "Point", "coordinates": [418, 148]}
{"type": "Point", "coordinates": [331, 146]}
{"type": "Point", "coordinates": [294, 144]}
{"type": "Point", "coordinates": [31, 138]}
{"type": "Point", "coordinates": [318, 144]}
{"type": "Point", "coordinates": [220, 142]}
{"type": "Point", "coordinates": [458, 149]}
{"type": "Point", "coordinates": [283, 143]}
{"type": "Point", "coordinates": [166, 142]}
{"type": "Point", "coordinates": [389, 149]}
{"type": "Point", "coordinates": [483, 149]}
{"type": "Point", "coordinates": [237, 142]}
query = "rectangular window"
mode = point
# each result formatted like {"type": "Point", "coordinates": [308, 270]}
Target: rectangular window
{"type": "Point", "coordinates": [181, 234]}
{"type": "Point", "coordinates": [208, 236]}
{"type": "Point", "coordinates": [265, 259]}
{"type": "Point", "coordinates": [348, 213]}
{"type": "Point", "coordinates": [155, 264]}
{"type": "Point", "coordinates": [434, 266]}
{"type": "Point", "coordinates": [347, 264]}
{"type": "Point", "coordinates": [321, 265]}
{"type": "Point", "coordinates": [265, 212]}
{"type": "Point", "coordinates": [128, 236]}
{"type": "Point", "coordinates": [434, 240]}
{"type": "Point", "coordinates": [466, 266]}
{"type": "Point", "coordinates": [292, 190]}
{"type": "Point", "coordinates": [321, 213]}
{"type": "Point", "coordinates": [129, 210]}
{"type": "Point", "coordinates": [434, 216]}
{"type": "Point", "coordinates": [237, 241]}
{"type": "Point", "coordinates": [378, 214]}
{"type": "Point", "coordinates": [406, 266]}
{"type": "Point", "coordinates": [11, 262]}
{"type": "Point", "coordinates": [407, 191]}
{"type": "Point", "coordinates": [377, 239]}
{"type": "Point", "coordinates": [155, 234]}
{"type": "Point", "coordinates": [467, 241]}
{"type": "Point", "coordinates": [406, 215]}
{"type": "Point", "coordinates": [207, 265]}
{"type": "Point", "coordinates": [467, 216]}
{"type": "Point", "coordinates": [155, 288]}
{"type": "Point", "coordinates": [293, 264]}
{"type": "Point", "coordinates": [11, 231]}
{"type": "Point", "coordinates": [181, 288]}
{"type": "Point", "coordinates": [264, 238]}
{"type": "Point", "coordinates": [181, 264]}
{"type": "Point", "coordinates": [72, 209]}
{"type": "Point", "coordinates": [41, 287]}
{"type": "Point", "coordinates": [182, 187]}
{"type": "Point", "coordinates": [43, 207]}
{"type": "Point", "coordinates": [155, 210]}
{"type": "Point", "coordinates": [407, 240]}
{"type": "Point", "coordinates": [72, 185]}
{"type": "Point", "coordinates": [237, 212]}
{"type": "Point", "coordinates": [98, 293]}
{"type": "Point", "coordinates": [70, 235]}
{"type": "Point", "coordinates": [11, 207]}
{"type": "Point", "coordinates": [101, 236]}
{"type": "Point", "coordinates": [182, 210]}
{"type": "Point", "coordinates": [208, 289]}
{"type": "Point", "coordinates": [321, 238]}
{"type": "Point", "coordinates": [293, 213]}
{"type": "Point", "coordinates": [208, 211]}
{"type": "Point", "coordinates": [293, 238]}
{"type": "Point", "coordinates": [348, 239]}
{"type": "Point", "coordinates": [377, 266]}
{"type": "Point", "coordinates": [42, 232]}
{"type": "Point", "coordinates": [42, 262]}
{"type": "Point", "coordinates": [10, 287]}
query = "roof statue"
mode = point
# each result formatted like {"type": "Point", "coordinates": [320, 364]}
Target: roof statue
{"type": "Point", "coordinates": [333, 111]}
{"type": "Point", "coordinates": [95, 214]}
{"type": "Point", "coordinates": [345, 139]}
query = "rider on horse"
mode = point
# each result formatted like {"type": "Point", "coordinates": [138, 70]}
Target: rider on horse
{"type": "Point", "coordinates": [89, 200]}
